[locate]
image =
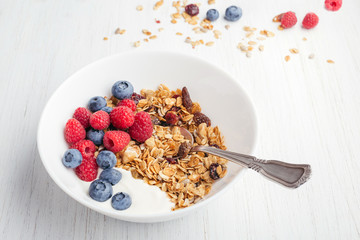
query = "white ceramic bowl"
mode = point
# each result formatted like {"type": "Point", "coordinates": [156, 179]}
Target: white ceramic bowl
{"type": "Point", "coordinates": [219, 95]}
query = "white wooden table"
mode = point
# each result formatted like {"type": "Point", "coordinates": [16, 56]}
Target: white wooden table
{"type": "Point", "coordinates": [308, 110]}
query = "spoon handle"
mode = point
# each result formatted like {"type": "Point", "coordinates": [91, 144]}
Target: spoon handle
{"type": "Point", "coordinates": [287, 174]}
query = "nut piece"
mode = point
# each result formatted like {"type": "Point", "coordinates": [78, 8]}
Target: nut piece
{"type": "Point", "coordinates": [184, 150]}
{"type": "Point", "coordinates": [200, 118]}
{"type": "Point", "coordinates": [186, 99]}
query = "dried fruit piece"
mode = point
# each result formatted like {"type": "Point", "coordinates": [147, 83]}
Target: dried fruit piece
{"type": "Point", "coordinates": [184, 150]}
{"type": "Point", "coordinates": [192, 9]}
{"type": "Point", "coordinates": [171, 160]}
{"type": "Point", "coordinates": [171, 118]}
{"type": "Point", "coordinates": [213, 173]}
{"type": "Point", "coordinates": [200, 118]}
{"type": "Point", "coordinates": [186, 99]}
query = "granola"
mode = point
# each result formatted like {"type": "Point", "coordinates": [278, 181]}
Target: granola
{"type": "Point", "coordinates": [186, 178]}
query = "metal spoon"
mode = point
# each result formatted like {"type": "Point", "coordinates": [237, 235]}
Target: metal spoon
{"type": "Point", "coordinates": [287, 174]}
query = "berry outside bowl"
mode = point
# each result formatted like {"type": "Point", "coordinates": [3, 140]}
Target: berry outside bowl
{"type": "Point", "coordinates": [219, 95]}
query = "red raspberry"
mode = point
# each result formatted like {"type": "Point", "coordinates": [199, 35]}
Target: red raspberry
{"type": "Point", "coordinates": [88, 170]}
{"type": "Point", "coordinates": [100, 120]}
{"type": "Point", "coordinates": [128, 103]}
{"type": "Point", "coordinates": [333, 5]}
{"type": "Point", "coordinates": [86, 147]}
{"type": "Point", "coordinates": [122, 117]}
{"type": "Point", "coordinates": [171, 118]}
{"type": "Point", "coordinates": [310, 20]}
{"type": "Point", "coordinates": [288, 19]}
{"type": "Point", "coordinates": [74, 131]}
{"type": "Point", "coordinates": [83, 116]}
{"type": "Point", "coordinates": [142, 128]}
{"type": "Point", "coordinates": [116, 141]}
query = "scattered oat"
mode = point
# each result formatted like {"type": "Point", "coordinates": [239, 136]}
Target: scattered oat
{"type": "Point", "coordinates": [105, 38]}
{"type": "Point", "coordinates": [158, 4]}
{"type": "Point", "coordinates": [161, 29]}
{"type": "Point", "coordinates": [209, 44]}
{"type": "Point", "coordinates": [267, 33]}
{"type": "Point", "coordinates": [250, 48]}
{"type": "Point", "coordinates": [330, 61]}
{"type": "Point", "coordinates": [261, 38]}
{"type": "Point", "coordinates": [139, 8]}
{"type": "Point", "coordinates": [211, 2]}
{"type": "Point", "coordinates": [153, 37]}
{"type": "Point", "coordinates": [217, 34]}
{"type": "Point", "coordinates": [261, 48]}
{"type": "Point", "coordinates": [176, 15]}
{"type": "Point", "coordinates": [280, 28]}
{"type": "Point", "coordinates": [188, 40]}
{"type": "Point", "coordinates": [137, 44]}
{"type": "Point", "coordinates": [294, 50]}
{"type": "Point", "coordinates": [311, 56]}
{"type": "Point", "coordinates": [277, 18]}
{"type": "Point", "coordinates": [249, 35]}
{"type": "Point", "coordinates": [227, 26]}
{"type": "Point", "coordinates": [117, 31]}
{"type": "Point", "coordinates": [146, 40]}
{"type": "Point", "coordinates": [173, 21]}
{"type": "Point", "coordinates": [179, 34]}
{"type": "Point", "coordinates": [304, 39]}
{"type": "Point", "coordinates": [252, 43]}
{"type": "Point", "coordinates": [287, 58]}
{"type": "Point", "coordinates": [248, 54]}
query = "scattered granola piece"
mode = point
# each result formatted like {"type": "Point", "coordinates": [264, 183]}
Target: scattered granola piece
{"type": "Point", "coordinates": [153, 37]}
{"type": "Point", "coordinates": [304, 39]}
{"type": "Point", "coordinates": [252, 43]}
{"type": "Point", "coordinates": [294, 50]}
{"type": "Point", "coordinates": [261, 38]}
{"type": "Point", "coordinates": [139, 8]}
{"type": "Point", "coordinates": [137, 44]}
{"type": "Point", "coordinates": [179, 34]}
{"type": "Point", "coordinates": [158, 4]}
{"type": "Point", "coordinates": [267, 33]}
{"type": "Point", "coordinates": [146, 40]}
{"type": "Point", "coordinates": [261, 48]}
{"type": "Point", "coordinates": [249, 35]}
{"type": "Point", "coordinates": [280, 28]}
{"type": "Point", "coordinates": [227, 27]}
{"type": "Point", "coordinates": [188, 40]}
{"type": "Point", "coordinates": [209, 44]}
{"type": "Point", "coordinates": [161, 29]}
{"type": "Point", "coordinates": [330, 61]}
{"type": "Point", "coordinates": [287, 58]}
{"type": "Point", "coordinates": [217, 34]}
{"type": "Point", "coordinates": [250, 48]}
{"type": "Point", "coordinates": [117, 31]}
{"type": "Point", "coordinates": [176, 15]}
{"type": "Point", "coordinates": [146, 32]}
{"type": "Point", "coordinates": [311, 56]}
{"type": "Point", "coordinates": [211, 2]}
{"type": "Point", "coordinates": [105, 38]}
{"type": "Point", "coordinates": [248, 54]}
{"type": "Point", "coordinates": [173, 21]}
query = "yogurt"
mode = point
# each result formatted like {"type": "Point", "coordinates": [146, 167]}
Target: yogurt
{"type": "Point", "coordinates": [146, 199]}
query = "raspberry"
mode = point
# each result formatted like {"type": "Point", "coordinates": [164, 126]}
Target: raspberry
{"type": "Point", "coordinates": [171, 118]}
{"type": "Point", "coordinates": [88, 170]}
{"type": "Point", "coordinates": [192, 9]}
{"type": "Point", "coordinates": [86, 147]}
{"type": "Point", "coordinates": [116, 141]}
{"type": "Point", "coordinates": [333, 5]}
{"type": "Point", "coordinates": [100, 120]}
{"type": "Point", "coordinates": [122, 117]}
{"type": "Point", "coordinates": [288, 19]}
{"type": "Point", "coordinates": [74, 131]}
{"type": "Point", "coordinates": [142, 128]}
{"type": "Point", "coordinates": [310, 20]}
{"type": "Point", "coordinates": [83, 116]}
{"type": "Point", "coordinates": [128, 103]}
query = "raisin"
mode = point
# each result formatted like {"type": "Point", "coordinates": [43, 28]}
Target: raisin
{"type": "Point", "coordinates": [213, 174]}
{"type": "Point", "coordinates": [184, 150]}
{"type": "Point", "coordinates": [151, 108]}
{"type": "Point", "coordinates": [192, 9]}
{"type": "Point", "coordinates": [164, 124]}
{"type": "Point", "coordinates": [136, 97]}
{"type": "Point", "coordinates": [171, 118]}
{"type": "Point", "coordinates": [186, 99]}
{"type": "Point", "coordinates": [200, 118]}
{"type": "Point", "coordinates": [175, 109]}
{"type": "Point", "coordinates": [171, 160]}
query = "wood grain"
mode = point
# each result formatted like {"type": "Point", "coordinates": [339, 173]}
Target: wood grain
{"type": "Point", "coordinates": [308, 112]}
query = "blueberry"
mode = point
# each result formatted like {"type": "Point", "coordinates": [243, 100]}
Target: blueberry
{"type": "Point", "coordinates": [97, 103]}
{"type": "Point", "coordinates": [212, 15]}
{"type": "Point", "coordinates": [72, 158]}
{"type": "Point", "coordinates": [106, 159]}
{"type": "Point", "coordinates": [107, 109]}
{"type": "Point", "coordinates": [121, 201]}
{"type": "Point", "coordinates": [100, 190]}
{"type": "Point", "coordinates": [122, 90]}
{"type": "Point", "coordinates": [96, 136]}
{"type": "Point", "coordinates": [233, 13]}
{"type": "Point", "coordinates": [111, 175]}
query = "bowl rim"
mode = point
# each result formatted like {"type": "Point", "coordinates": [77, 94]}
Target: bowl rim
{"type": "Point", "coordinates": [148, 217]}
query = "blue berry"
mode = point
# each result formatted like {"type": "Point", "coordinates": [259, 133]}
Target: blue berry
{"type": "Point", "coordinates": [96, 136]}
{"type": "Point", "coordinates": [212, 15]}
{"type": "Point", "coordinates": [97, 103]}
{"type": "Point", "coordinates": [122, 90]}
{"type": "Point", "coordinates": [233, 13]}
{"type": "Point", "coordinates": [121, 201]}
{"type": "Point", "coordinates": [100, 190]}
{"type": "Point", "coordinates": [111, 175]}
{"type": "Point", "coordinates": [72, 158]}
{"type": "Point", "coordinates": [106, 159]}
{"type": "Point", "coordinates": [107, 109]}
